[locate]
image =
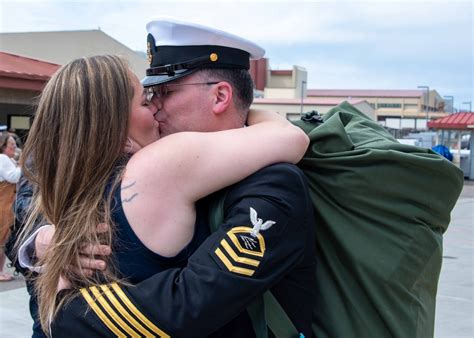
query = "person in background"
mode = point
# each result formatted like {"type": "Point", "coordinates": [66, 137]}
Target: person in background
{"type": "Point", "coordinates": [23, 198]}
{"type": "Point", "coordinates": [10, 173]}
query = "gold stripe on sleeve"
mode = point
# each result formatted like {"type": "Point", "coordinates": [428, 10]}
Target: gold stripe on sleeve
{"type": "Point", "coordinates": [137, 312]}
{"type": "Point", "coordinates": [112, 313]}
{"type": "Point", "coordinates": [236, 258]}
{"type": "Point", "coordinates": [231, 267]}
{"type": "Point", "coordinates": [101, 315]}
{"type": "Point", "coordinates": [124, 312]}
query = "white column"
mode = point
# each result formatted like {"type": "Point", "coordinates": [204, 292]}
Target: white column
{"type": "Point", "coordinates": [471, 157]}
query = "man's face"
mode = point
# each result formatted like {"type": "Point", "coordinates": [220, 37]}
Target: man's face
{"type": "Point", "coordinates": [186, 106]}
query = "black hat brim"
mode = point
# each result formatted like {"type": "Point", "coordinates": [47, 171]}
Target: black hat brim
{"type": "Point", "coordinates": [155, 80]}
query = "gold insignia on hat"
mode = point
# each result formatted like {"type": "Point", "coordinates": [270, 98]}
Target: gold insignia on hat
{"type": "Point", "coordinates": [213, 57]}
{"type": "Point", "coordinates": [241, 252]}
{"type": "Point", "coordinates": [149, 56]}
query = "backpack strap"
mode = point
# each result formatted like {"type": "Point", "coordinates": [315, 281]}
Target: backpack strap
{"type": "Point", "coordinates": [256, 309]}
{"type": "Point", "coordinates": [256, 312]}
{"type": "Point", "coordinates": [277, 319]}
{"type": "Point", "coordinates": [265, 310]}
{"type": "Point", "coordinates": [216, 209]}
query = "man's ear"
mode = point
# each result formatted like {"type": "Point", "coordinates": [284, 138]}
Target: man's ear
{"type": "Point", "coordinates": [222, 97]}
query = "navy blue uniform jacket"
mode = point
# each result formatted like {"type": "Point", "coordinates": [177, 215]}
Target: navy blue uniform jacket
{"type": "Point", "coordinates": [235, 264]}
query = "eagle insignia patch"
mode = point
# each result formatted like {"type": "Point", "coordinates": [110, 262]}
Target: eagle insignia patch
{"type": "Point", "coordinates": [258, 224]}
{"type": "Point", "coordinates": [243, 247]}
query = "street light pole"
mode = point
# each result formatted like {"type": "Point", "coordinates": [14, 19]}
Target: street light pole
{"type": "Point", "coordinates": [426, 99]}
{"type": "Point", "coordinates": [470, 105]}
{"type": "Point", "coordinates": [303, 83]}
{"type": "Point", "coordinates": [451, 98]}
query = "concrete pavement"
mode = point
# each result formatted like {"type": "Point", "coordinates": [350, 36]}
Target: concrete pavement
{"type": "Point", "coordinates": [455, 301]}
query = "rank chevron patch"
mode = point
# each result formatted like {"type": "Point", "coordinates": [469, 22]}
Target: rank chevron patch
{"type": "Point", "coordinates": [241, 251]}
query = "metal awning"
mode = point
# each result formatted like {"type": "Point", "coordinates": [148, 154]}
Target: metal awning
{"type": "Point", "coordinates": [20, 72]}
{"type": "Point", "coordinates": [458, 121]}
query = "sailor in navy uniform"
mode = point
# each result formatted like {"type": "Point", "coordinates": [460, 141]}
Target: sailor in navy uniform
{"type": "Point", "coordinates": [266, 241]}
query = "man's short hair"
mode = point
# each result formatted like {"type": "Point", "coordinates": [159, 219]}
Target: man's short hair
{"type": "Point", "coordinates": [239, 79]}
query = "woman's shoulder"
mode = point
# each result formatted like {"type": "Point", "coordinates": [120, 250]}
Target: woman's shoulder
{"type": "Point", "coordinates": [152, 159]}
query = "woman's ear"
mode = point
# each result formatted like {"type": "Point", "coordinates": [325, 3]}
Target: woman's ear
{"type": "Point", "coordinates": [222, 97]}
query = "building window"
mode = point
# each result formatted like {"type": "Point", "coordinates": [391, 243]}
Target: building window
{"type": "Point", "coordinates": [389, 105]}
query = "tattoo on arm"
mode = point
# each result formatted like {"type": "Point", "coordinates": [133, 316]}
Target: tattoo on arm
{"type": "Point", "coordinates": [129, 199]}
{"type": "Point", "coordinates": [130, 185]}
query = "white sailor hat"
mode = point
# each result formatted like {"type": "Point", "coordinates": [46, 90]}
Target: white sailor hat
{"type": "Point", "coordinates": [177, 48]}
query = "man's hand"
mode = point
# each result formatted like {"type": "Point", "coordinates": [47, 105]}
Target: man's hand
{"type": "Point", "coordinates": [89, 260]}
{"type": "Point", "coordinates": [42, 240]}
{"type": "Point", "coordinates": [63, 284]}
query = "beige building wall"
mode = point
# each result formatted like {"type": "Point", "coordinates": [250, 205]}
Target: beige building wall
{"type": "Point", "coordinates": [64, 46]}
{"type": "Point", "coordinates": [279, 93]}
{"type": "Point", "coordinates": [292, 111]}
{"type": "Point", "coordinates": [280, 81]}
{"type": "Point", "coordinates": [16, 96]}
{"type": "Point", "coordinates": [404, 107]}
{"type": "Point", "coordinates": [287, 84]}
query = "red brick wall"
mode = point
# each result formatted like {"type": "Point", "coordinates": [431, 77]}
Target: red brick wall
{"type": "Point", "coordinates": [258, 71]}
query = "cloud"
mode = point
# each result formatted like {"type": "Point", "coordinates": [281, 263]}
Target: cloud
{"type": "Point", "coordinates": [342, 44]}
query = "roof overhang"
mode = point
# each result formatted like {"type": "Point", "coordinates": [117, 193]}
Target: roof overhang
{"type": "Point", "coordinates": [22, 84]}
{"type": "Point", "coordinates": [459, 121]}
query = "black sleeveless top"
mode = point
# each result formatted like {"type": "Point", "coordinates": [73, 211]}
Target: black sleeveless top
{"type": "Point", "coordinates": [135, 261]}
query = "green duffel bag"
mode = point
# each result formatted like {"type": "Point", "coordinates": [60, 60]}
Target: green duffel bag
{"type": "Point", "coordinates": [381, 210]}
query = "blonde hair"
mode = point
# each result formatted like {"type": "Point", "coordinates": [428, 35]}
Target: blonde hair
{"type": "Point", "coordinates": [75, 143]}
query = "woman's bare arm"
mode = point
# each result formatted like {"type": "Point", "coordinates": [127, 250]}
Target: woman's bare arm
{"type": "Point", "coordinates": [165, 179]}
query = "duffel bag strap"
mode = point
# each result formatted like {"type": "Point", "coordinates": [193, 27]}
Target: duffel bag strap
{"type": "Point", "coordinates": [277, 319]}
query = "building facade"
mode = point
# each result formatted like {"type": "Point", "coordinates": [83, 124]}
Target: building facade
{"type": "Point", "coordinates": [35, 56]}
{"type": "Point", "coordinates": [397, 109]}
{"type": "Point", "coordinates": [286, 92]}
{"type": "Point", "coordinates": [64, 46]}
{"type": "Point", "coordinates": [293, 109]}
{"type": "Point", "coordinates": [21, 81]}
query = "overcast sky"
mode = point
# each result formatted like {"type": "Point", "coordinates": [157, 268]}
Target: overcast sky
{"type": "Point", "coordinates": [343, 44]}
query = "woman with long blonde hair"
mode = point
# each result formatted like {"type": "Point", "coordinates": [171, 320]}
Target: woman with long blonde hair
{"type": "Point", "coordinates": [98, 158]}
